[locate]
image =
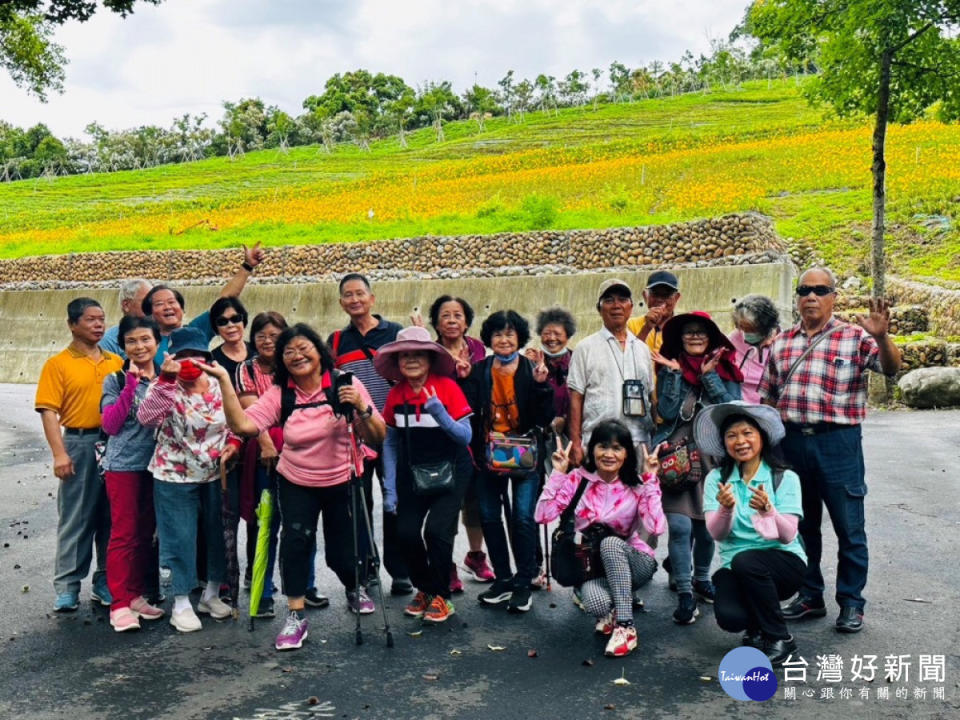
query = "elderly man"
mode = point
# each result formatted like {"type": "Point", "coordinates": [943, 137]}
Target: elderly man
{"type": "Point", "coordinates": [132, 293]}
{"type": "Point", "coordinates": [816, 378]}
{"type": "Point", "coordinates": [611, 374]}
{"type": "Point", "coordinates": [661, 296]}
{"type": "Point", "coordinates": [68, 397]}
{"type": "Point", "coordinates": [167, 305]}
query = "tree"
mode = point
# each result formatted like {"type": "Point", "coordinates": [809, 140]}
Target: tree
{"type": "Point", "coordinates": [27, 51]}
{"type": "Point", "coordinates": [573, 88]}
{"type": "Point", "coordinates": [506, 93]}
{"type": "Point", "coordinates": [279, 128]}
{"type": "Point", "coordinates": [438, 102]}
{"type": "Point", "coordinates": [597, 73]}
{"type": "Point", "coordinates": [523, 97]}
{"type": "Point", "coordinates": [482, 103]}
{"type": "Point", "coordinates": [546, 92]}
{"type": "Point", "coordinates": [245, 125]}
{"type": "Point", "coordinates": [399, 112]}
{"type": "Point", "coordinates": [619, 81]}
{"type": "Point", "coordinates": [892, 59]}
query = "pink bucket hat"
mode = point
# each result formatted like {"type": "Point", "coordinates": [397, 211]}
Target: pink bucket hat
{"type": "Point", "coordinates": [413, 339]}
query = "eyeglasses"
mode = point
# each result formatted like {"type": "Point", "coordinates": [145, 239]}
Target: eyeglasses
{"type": "Point", "coordinates": [818, 290]}
{"type": "Point", "coordinates": [694, 333]}
{"type": "Point", "coordinates": [293, 351]}
{"type": "Point", "coordinates": [261, 338]}
{"type": "Point", "coordinates": [223, 320]}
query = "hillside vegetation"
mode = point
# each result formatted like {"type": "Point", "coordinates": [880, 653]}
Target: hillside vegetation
{"type": "Point", "coordinates": [760, 148]}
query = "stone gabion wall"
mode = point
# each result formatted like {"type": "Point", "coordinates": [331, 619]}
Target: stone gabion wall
{"type": "Point", "coordinates": [941, 305]}
{"type": "Point", "coordinates": [715, 240]}
{"type": "Point", "coordinates": [904, 319]}
{"type": "Point", "coordinates": [929, 353]}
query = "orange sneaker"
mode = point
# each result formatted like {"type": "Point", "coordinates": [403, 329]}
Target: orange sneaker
{"type": "Point", "coordinates": [439, 610]}
{"type": "Point", "coordinates": [421, 601]}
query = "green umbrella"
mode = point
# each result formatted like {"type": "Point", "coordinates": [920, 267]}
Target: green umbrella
{"type": "Point", "coordinates": [258, 577]}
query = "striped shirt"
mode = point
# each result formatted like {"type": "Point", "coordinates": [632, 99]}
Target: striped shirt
{"type": "Point", "coordinates": [830, 385]}
{"type": "Point", "coordinates": [354, 352]}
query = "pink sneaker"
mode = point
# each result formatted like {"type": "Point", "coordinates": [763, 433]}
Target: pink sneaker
{"type": "Point", "coordinates": [456, 585]}
{"type": "Point", "coordinates": [476, 563]}
{"type": "Point", "coordinates": [145, 610]}
{"type": "Point", "coordinates": [123, 619]}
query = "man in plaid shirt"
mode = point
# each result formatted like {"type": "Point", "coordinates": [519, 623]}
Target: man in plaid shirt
{"type": "Point", "coordinates": [822, 405]}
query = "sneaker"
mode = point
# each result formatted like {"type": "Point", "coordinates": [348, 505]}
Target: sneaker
{"type": "Point", "coordinates": [605, 624]}
{"type": "Point", "coordinates": [577, 600]}
{"type": "Point", "coordinates": [315, 599]}
{"type": "Point", "coordinates": [66, 602]}
{"type": "Point", "coordinates": [440, 609]}
{"type": "Point", "coordinates": [265, 609]}
{"type": "Point", "coordinates": [360, 602]}
{"type": "Point", "coordinates": [186, 620]}
{"type": "Point", "coordinates": [418, 606]}
{"type": "Point", "coordinates": [705, 591]}
{"type": "Point", "coordinates": [850, 620]}
{"type": "Point", "coordinates": [373, 579]}
{"type": "Point", "coordinates": [145, 610]}
{"type": "Point", "coordinates": [101, 593]}
{"type": "Point", "coordinates": [123, 619]}
{"type": "Point", "coordinates": [622, 641]}
{"type": "Point", "coordinates": [804, 607]}
{"type": "Point", "coordinates": [539, 582]}
{"type": "Point", "coordinates": [637, 600]}
{"type": "Point", "coordinates": [401, 586]}
{"type": "Point", "coordinates": [521, 600]}
{"type": "Point", "coordinates": [686, 612]}
{"type": "Point", "coordinates": [215, 608]}
{"type": "Point", "coordinates": [456, 584]}
{"type": "Point", "coordinates": [499, 592]}
{"type": "Point", "coordinates": [476, 563]}
{"type": "Point", "coordinates": [293, 634]}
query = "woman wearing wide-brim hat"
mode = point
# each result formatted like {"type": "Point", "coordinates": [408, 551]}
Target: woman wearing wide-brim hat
{"type": "Point", "coordinates": [752, 504]}
{"type": "Point", "coordinates": [697, 368]}
{"type": "Point", "coordinates": [428, 433]}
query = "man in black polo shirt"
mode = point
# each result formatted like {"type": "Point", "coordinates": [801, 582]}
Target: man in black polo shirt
{"type": "Point", "coordinates": [353, 349]}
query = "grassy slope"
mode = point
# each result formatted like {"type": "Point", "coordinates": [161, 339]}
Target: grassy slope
{"type": "Point", "coordinates": [657, 161]}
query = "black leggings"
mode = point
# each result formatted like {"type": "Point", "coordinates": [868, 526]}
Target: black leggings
{"type": "Point", "coordinates": [299, 507]}
{"type": "Point", "coordinates": [750, 590]}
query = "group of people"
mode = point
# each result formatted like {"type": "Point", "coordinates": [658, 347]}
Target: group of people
{"type": "Point", "coordinates": [654, 423]}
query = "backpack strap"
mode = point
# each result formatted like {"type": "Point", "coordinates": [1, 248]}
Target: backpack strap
{"type": "Point", "coordinates": [567, 515]}
{"type": "Point", "coordinates": [336, 342]}
{"type": "Point", "coordinates": [288, 399]}
{"type": "Point", "coordinates": [777, 478]}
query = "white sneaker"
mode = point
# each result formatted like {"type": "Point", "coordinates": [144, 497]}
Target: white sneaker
{"type": "Point", "coordinates": [215, 608]}
{"type": "Point", "coordinates": [605, 624]}
{"type": "Point", "coordinates": [186, 620]}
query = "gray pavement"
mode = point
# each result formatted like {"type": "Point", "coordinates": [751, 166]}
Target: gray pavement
{"type": "Point", "coordinates": [75, 666]}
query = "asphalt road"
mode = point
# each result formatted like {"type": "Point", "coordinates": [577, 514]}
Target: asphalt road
{"type": "Point", "coordinates": [75, 666]}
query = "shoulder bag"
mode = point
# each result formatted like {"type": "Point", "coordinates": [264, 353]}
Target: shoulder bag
{"type": "Point", "coordinates": [432, 478]}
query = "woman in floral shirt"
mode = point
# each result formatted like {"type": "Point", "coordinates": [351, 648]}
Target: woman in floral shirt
{"type": "Point", "coordinates": [626, 510]}
{"type": "Point", "coordinates": [188, 408]}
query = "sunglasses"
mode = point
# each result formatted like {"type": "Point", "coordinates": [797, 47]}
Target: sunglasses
{"type": "Point", "coordinates": [223, 320]}
{"type": "Point", "coordinates": [818, 290]}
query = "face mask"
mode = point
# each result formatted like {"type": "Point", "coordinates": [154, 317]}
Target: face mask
{"type": "Point", "coordinates": [753, 338]}
{"type": "Point", "coordinates": [189, 372]}
{"type": "Point", "coordinates": [550, 354]}
{"type": "Point", "coordinates": [507, 359]}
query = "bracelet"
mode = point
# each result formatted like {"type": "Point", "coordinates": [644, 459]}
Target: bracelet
{"type": "Point", "coordinates": [247, 266]}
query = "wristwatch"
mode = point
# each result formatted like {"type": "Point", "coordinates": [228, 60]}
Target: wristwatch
{"type": "Point", "coordinates": [247, 266]}
{"type": "Point", "coordinates": [368, 413]}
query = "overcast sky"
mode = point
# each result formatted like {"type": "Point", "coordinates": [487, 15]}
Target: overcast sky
{"type": "Point", "coordinates": [189, 55]}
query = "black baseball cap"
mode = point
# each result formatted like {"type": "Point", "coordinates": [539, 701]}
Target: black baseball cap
{"type": "Point", "coordinates": [663, 277]}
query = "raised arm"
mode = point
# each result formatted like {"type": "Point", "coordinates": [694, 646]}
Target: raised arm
{"type": "Point", "coordinates": [251, 258]}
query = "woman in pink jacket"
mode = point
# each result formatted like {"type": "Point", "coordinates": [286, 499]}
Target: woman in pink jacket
{"type": "Point", "coordinates": [629, 513]}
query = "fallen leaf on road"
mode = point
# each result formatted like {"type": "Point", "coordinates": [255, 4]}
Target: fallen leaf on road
{"type": "Point", "coordinates": [418, 633]}
{"type": "Point", "coordinates": [587, 663]}
{"type": "Point", "coordinates": [919, 600]}
{"type": "Point", "coordinates": [26, 589]}
{"type": "Point", "coordinates": [455, 652]}
{"type": "Point", "coordinates": [496, 648]}
{"type": "Point", "coordinates": [609, 706]}
{"type": "Point", "coordinates": [430, 677]}
{"type": "Point", "coordinates": [313, 700]}
{"type": "Point", "coordinates": [532, 653]}
{"type": "Point", "coordinates": [706, 678]}
{"type": "Point", "coordinates": [622, 680]}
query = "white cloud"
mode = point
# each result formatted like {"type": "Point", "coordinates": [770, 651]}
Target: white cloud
{"type": "Point", "coordinates": [189, 55]}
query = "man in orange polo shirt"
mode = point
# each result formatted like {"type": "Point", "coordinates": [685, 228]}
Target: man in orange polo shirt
{"type": "Point", "coordinates": [68, 395]}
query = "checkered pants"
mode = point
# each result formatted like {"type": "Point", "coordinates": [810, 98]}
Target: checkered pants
{"type": "Point", "coordinates": [626, 569]}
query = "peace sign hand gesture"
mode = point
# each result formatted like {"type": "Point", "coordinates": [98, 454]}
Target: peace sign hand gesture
{"type": "Point", "coordinates": [651, 460]}
{"type": "Point", "coordinates": [561, 456]}
{"type": "Point", "coordinates": [540, 371]}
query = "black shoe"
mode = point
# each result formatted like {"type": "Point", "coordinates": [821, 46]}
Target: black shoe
{"type": "Point", "coordinates": [704, 590]}
{"type": "Point", "coordinates": [777, 651]}
{"type": "Point", "coordinates": [686, 612]}
{"type": "Point", "coordinates": [401, 586]}
{"type": "Point", "coordinates": [521, 600]}
{"type": "Point", "coordinates": [265, 609]}
{"type": "Point", "coordinates": [372, 581]}
{"type": "Point", "coordinates": [752, 638]}
{"type": "Point", "coordinates": [850, 620]}
{"type": "Point", "coordinates": [499, 592]}
{"type": "Point", "coordinates": [804, 607]}
{"type": "Point", "coordinates": [315, 599]}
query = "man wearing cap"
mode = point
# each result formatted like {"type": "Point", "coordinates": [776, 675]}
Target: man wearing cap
{"type": "Point", "coordinates": [816, 378]}
{"type": "Point", "coordinates": [68, 395]}
{"type": "Point", "coordinates": [611, 374]}
{"type": "Point", "coordinates": [661, 296]}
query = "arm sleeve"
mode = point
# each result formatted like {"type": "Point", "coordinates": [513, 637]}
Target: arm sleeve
{"type": "Point", "coordinates": [458, 430]}
{"type": "Point", "coordinates": [774, 526]}
{"type": "Point", "coordinates": [556, 495]}
{"type": "Point", "coordinates": [157, 402]}
{"type": "Point", "coordinates": [202, 323]}
{"type": "Point", "coordinates": [719, 522]}
{"type": "Point", "coordinates": [390, 453]}
{"type": "Point", "coordinates": [115, 404]}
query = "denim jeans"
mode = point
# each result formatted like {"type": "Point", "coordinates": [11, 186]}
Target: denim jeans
{"type": "Point", "coordinates": [831, 470]}
{"type": "Point", "coordinates": [492, 491]}
{"type": "Point", "coordinates": [684, 532]}
{"type": "Point", "coordinates": [180, 506]}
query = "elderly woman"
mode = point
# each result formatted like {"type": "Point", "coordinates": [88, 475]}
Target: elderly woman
{"type": "Point", "coordinates": [752, 505]}
{"type": "Point", "coordinates": [188, 409]}
{"type": "Point", "coordinates": [315, 466]}
{"type": "Point", "coordinates": [451, 317]}
{"type": "Point", "coordinates": [509, 396]}
{"type": "Point", "coordinates": [428, 431]}
{"type": "Point", "coordinates": [757, 324]}
{"type": "Point", "coordinates": [131, 559]}
{"type": "Point", "coordinates": [555, 326]}
{"type": "Point", "coordinates": [624, 509]}
{"type": "Point", "coordinates": [696, 369]}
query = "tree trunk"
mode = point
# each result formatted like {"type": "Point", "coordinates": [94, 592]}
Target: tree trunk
{"type": "Point", "coordinates": [879, 170]}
